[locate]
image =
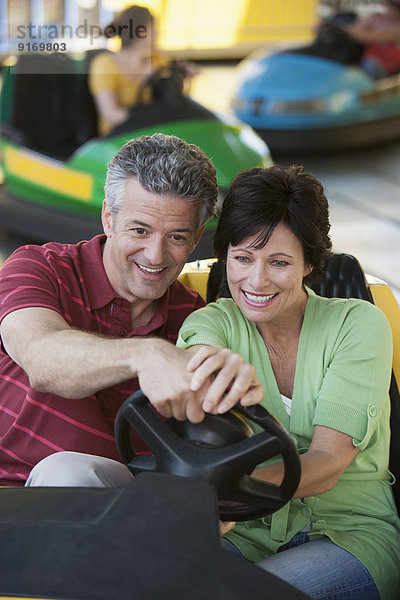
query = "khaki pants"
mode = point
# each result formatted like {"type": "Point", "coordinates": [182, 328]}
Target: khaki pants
{"type": "Point", "coordinates": [75, 469]}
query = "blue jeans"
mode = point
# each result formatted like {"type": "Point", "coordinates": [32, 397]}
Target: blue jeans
{"type": "Point", "coordinates": [320, 569]}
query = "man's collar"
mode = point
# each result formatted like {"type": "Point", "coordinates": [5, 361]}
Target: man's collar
{"type": "Point", "coordinates": [97, 283]}
{"type": "Point", "coordinates": [158, 319]}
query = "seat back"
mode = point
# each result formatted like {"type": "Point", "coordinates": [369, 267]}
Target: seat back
{"type": "Point", "coordinates": [344, 278]}
{"type": "Point", "coordinates": [49, 104]}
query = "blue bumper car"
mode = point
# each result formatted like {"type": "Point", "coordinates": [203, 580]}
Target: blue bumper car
{"type": "Point", "coordinates": [317, 98]}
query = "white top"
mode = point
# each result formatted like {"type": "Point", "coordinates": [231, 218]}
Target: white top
{"type": "Point", "coordinates": [288, 403]}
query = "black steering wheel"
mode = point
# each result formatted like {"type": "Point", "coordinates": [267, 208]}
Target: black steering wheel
{"type": "Point", "coordinates": [166, 83]}
{"type": "Point", "coordinates": [343, 47]}
{"type": "Point", "coordinates": [222, 450]}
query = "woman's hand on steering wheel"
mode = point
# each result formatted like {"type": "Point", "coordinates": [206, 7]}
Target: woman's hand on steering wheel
{"type": "Point", "coordinates": [228, 377]}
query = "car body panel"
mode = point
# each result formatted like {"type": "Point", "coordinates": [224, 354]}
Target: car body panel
{"type": "Point", "coordinates": [330, 104]}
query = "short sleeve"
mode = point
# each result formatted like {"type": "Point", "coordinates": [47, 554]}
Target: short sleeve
{"type": "Point", "coordinates": [207, 326]}
{"type": "Point", "coordinates": [101, 73]}
{"type": "Point", "coordinates": [26, 280]}
{"type": "Point", "coordinates": [354, 391]}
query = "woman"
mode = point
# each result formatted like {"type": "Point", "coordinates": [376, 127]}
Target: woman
{"type": "Point", "coordinates": [325, 366]}
{"type": "Point", "coordinates": [115, 78]}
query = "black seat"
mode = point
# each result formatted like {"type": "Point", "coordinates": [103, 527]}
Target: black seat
{"type": "Point", "coordinates": [51, 105]}
{"type": "Point", "coordinates": [344, 278]}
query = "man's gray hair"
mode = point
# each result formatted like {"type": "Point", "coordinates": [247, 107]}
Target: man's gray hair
{"type": "Point", "coordinates": [163, 164]}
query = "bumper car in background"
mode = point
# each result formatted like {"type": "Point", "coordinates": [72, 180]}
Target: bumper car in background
{"type": "Point", "coordinates": [317, 98]}
{"type": "Point", "coordinates": [53, 163]}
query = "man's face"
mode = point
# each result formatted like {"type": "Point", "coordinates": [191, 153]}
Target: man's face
{"type": "Point", "coordinates": [148, 242]}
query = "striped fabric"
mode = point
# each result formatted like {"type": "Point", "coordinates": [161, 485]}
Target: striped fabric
{"type": "Point", "coordinates": [71, 280]}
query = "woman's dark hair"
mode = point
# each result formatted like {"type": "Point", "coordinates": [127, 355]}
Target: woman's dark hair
{"type": "Point", "coordinates": [260, 199]}
{"type": "Point", "coordinates": [132, 23]}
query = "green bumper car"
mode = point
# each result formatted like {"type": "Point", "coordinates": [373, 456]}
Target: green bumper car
{"type": "Point", "coordinates": [54, 164]}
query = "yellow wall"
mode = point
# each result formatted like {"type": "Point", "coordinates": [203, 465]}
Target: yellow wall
{"type": "Point", "coordinates": [208, 28]}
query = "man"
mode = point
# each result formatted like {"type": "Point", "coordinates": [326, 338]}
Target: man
{"type": "Point", "coordinates": [380, 32]}
{"type": "Point", "coordinates": [83, 326]}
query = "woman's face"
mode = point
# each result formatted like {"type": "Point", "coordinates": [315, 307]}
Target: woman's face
{"type": "Point", "coordinates": [267, 283]}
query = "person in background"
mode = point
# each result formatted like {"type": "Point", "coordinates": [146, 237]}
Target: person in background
{"type": "Point", "coordinates": [380, 32]}
{"type": "Point", "coordinates": [325, 366]}
{"type": "Point", "coordinates": [115, 78]}
{"type": "Point", "coordinates": [84, 325]}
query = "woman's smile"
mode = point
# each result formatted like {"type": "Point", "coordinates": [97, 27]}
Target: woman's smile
{"type": "Point", "coordinates": [258, 300]}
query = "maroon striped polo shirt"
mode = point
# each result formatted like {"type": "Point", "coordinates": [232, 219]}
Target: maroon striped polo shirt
{"type": "Point", "coordinates": [71, 280]}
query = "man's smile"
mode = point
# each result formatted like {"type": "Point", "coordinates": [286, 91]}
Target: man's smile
{"type": "Point", "coordinates": [150, 270]}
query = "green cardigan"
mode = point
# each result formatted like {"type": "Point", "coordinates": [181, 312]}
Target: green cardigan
{"type": "Point", "coordinates": [342, 379]}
